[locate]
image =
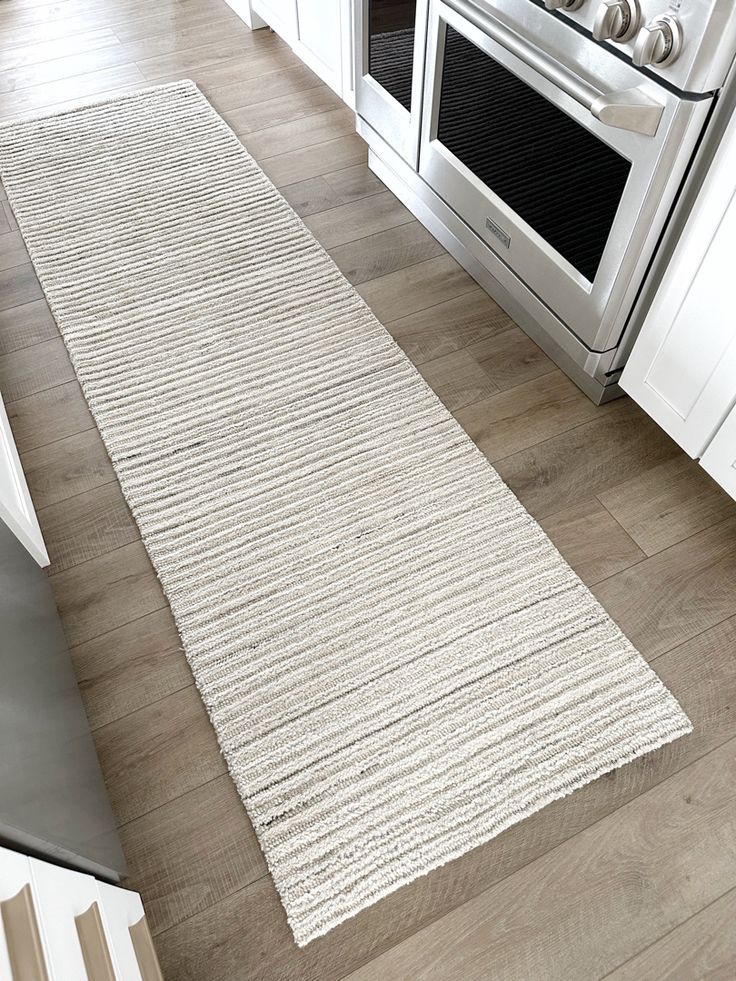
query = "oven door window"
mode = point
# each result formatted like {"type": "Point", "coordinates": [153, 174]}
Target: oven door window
{"type": "Point", "coordinates": [556, 175]}
{"type": "Point", "coordinates": [391, 47]}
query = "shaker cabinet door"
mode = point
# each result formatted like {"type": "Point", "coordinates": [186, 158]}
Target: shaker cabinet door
{"type": "Point", "coordinates": [320, 33]}
{"type": "Point", "coordinates": [320, 39]}
{"type": "Point", "coordinates": [682, 369]}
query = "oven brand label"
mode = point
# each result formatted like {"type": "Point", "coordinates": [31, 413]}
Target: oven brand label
{"type": "Point", "coordinates": [500, 234]}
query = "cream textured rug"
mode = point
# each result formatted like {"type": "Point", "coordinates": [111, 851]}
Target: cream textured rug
{"type": "Point", "coordinates": [396, 660]}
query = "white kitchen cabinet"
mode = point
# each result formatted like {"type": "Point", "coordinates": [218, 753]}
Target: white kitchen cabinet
{"type": "Point", "coordinates": [122, 909]}
{"type": "Point", "coordinates": [57, 924]}
{"type": "Point", "coordinates": [319, 39]}
{"type": "Point", "coordinates": [62, 895]}
{"type": "Point", "coordinates": [280, 15]}
{"type": "Point", "coordinates": [320, 33]}
{"type": "Point", "coordinates": [682, 368]}
{"type": "Point", "coordinates": [16, 507]}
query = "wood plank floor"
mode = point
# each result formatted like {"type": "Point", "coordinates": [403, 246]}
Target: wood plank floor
{"type": "Point", "coordinates": [632, 877]}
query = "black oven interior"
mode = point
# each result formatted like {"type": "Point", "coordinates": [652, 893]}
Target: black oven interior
{"type": "Point", "coordinates": [554, 173]}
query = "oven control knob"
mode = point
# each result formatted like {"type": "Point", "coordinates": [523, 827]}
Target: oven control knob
{"type": "Point", "coordinates": [659, 43]}
{"type": "Point", "coordinates": [563, 4]}
{"type": "Point", "coordinates": [616, 20]}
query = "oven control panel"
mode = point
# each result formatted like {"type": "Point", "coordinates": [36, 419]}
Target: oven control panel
{"type": "Point", "coordinates": [691, 43]}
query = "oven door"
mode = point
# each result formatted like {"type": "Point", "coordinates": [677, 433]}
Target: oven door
{"type": "Point", "coordinates": [389, 67]}
{"type": "Point", "coordinates": [560, 156]}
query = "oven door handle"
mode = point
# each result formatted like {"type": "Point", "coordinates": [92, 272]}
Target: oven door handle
{"type": "Point", "coordinates": [631, 109]}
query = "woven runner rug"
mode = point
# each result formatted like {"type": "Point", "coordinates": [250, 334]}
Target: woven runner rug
{"type": "Point", "coordinates": [396, 660]}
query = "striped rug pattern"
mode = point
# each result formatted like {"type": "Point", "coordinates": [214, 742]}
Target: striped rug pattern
{"type": "Point", "coordinates": [396, 660]}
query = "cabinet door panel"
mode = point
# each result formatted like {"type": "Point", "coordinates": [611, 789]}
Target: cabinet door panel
{"type": "Point", "coordinates": [122, 909]}
{"type": "Point", "coordinates": [682, 369]}
{"type": "Point", "coordinates": [61, 896]}
{"type": "Point", "coordinates": [320, 39]}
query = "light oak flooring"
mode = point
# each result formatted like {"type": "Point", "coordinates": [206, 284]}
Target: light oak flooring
{"type": "Point", "coordinates": [631, 878]}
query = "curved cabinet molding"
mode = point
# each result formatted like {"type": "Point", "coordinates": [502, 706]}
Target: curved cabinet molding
{"type": "Point", "coordinates": [23, 937]}
{"type": "Point", "coordinates": [145, 952]}
{"type": "Point", "coordinates": [96, 953]}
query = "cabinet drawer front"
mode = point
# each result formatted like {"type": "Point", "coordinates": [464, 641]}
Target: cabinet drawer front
{"type": "Point", "coordinates": [61, 896]}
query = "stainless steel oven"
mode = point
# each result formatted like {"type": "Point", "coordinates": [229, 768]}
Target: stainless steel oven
{"type": "Point", "coordinates": [564, 164]}
{"type": "Point", "coordinates": [553, 146]}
